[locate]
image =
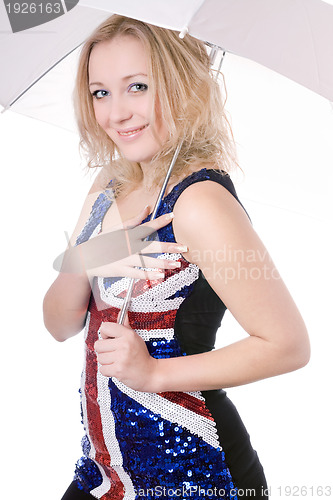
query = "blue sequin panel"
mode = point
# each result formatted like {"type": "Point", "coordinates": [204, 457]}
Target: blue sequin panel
{"type": "Point", "coordinates": [164, 348]}
{"type": "Point", "coordinates": [87, 475]}
{"type": "Point", "coordinates": [160, 454]}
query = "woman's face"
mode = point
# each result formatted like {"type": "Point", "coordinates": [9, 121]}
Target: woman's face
{"type": "Point", "coordinates": [122, 100]}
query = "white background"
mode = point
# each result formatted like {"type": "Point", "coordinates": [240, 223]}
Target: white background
{"type": "Point", "coordinates": [284, 137]}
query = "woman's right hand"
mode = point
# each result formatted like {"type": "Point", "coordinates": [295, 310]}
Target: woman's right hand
{"type": "Point", "coordinates": [123, 251]}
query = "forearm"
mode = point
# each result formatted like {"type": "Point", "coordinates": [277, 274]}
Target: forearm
{"type": "Point", "coordinates": [65, 305]}
{"type": "Point", "coordinates": [246, 361]}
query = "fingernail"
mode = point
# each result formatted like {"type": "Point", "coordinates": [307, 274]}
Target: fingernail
{"type": "Point", "coordinates": [175, 263]}
{"type": "Point", "coordinates": [170, 216]}
{"type": "Point", "coordinates": [182, 248]}
{"type": "Point", "coordinates": [159, 275]}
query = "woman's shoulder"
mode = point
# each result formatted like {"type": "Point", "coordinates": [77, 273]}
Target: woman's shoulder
{"type": "Point", "coordinates": [202, 199]}
{"type": "Point", "coordinates": [207, 190]}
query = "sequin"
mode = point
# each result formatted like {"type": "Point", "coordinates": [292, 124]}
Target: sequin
{"type": "Point", "coordinates": [136, 440]}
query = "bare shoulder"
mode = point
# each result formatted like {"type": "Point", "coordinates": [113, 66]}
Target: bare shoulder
{"type": "Point", "coordinates": [208, 204]}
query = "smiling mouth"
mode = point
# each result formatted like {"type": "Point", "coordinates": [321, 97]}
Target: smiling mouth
{"type": "Point", "coordinates": [133, 131]}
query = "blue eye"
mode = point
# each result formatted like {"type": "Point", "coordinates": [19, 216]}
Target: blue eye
{"type": "Point", "coordinates": [99, 94]}
{"type": "Point", "coordinates": [138, 87]}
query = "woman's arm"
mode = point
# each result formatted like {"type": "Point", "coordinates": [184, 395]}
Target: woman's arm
{"type": "Point", "coordinates": [223, 243]}
{"type": "Point", "coordinates": [66, 302]}
{"type": "Point", "coordinates": [244, 276]}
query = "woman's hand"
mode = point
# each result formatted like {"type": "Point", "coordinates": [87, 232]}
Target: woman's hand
{"type": "Point", "coordinates": [123, 354]}
{"type": "Point", "coordinates": [123, 251]}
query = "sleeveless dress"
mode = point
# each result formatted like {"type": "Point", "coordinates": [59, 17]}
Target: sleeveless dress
{"type": "Point", "coordinates": [169, 444]}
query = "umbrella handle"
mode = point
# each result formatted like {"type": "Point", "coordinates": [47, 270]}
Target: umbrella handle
{"type": "Point", "coordinates": [126, 302]}
{"type": "Point", "coordinates": [127, 299]}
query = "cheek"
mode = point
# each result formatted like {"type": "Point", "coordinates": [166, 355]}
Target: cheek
{"type": "Point", "coordinates": [144, 110]}
{"type": "Point", "coordinates": [100, 115]}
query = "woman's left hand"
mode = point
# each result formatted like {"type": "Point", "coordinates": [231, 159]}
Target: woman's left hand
{"type": "Point", "coordinates": [123, 354]}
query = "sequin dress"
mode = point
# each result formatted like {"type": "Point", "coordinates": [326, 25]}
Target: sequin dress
{"type": "Point", "coordinates": [170, 444]}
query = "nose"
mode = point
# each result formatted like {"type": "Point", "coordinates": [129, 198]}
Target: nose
{"type": "Point", "coordinates": [119, 110]}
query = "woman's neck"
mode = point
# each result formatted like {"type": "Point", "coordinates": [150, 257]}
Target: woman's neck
{"type": "Point", "coordinates": [147, 183]}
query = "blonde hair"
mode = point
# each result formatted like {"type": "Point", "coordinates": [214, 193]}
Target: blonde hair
{"type": "Point", "coordinates": [189, 96]}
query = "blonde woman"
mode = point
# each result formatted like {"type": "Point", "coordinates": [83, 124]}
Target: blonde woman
{"type": "Point", "coordinates": [157, 419]}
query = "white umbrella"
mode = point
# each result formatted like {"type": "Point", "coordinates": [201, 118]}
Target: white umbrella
{"type": "Point", "coordinates": [292, 37]}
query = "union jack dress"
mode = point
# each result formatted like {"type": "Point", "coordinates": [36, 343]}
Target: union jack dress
{"type": "Point", "coordinates": [170, 444]}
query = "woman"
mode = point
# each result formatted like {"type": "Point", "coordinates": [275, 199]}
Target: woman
{"type": "Point", "coordinates": [156, 419]}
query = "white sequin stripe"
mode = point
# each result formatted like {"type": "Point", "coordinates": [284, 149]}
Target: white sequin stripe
{"type": "Point", "coordinates": [104, 486]}
{"type": "Point", "coordinates": [109, 296]}
{"type": "Point", "coordinates": [154, 295]}
{"type": "Point", "coordinates": [196, 394]}
{"type": "Point", "coordinates": [159, 333]}
{"type": "Point", "coordinates": [170, 256]}
{"type": "Point", "coordinates": [155, 304]}
{"type": "Point", "coordinates": [117, 287]}
{"type": "Point", "coordinates": [150, 300]}
{"type": "Point", "coordinates": [121, 285]}
{"type": "Point", "coordinates": [175, 413]}
{"type": "Point", "coordinates": [127, 482]}
{"type": "Point", "coordinates": [155, 298]}
{"type": "Point", "coordinates": [110, 438]}
{"type": "Point", "coordinates": [108, 425]}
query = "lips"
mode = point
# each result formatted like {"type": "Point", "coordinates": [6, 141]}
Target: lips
{"type": "Point", "coordinates": [133, 131]}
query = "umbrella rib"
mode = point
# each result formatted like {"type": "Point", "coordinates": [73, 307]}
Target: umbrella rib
{"type": "Point", "coordinates": [37, 79]}
{"type": "Point", "coordinates": [185, 29]}
{"type": "Point", "coordinates": [63, 5]}
{"type": "Point", "coordinates": [306, 16]}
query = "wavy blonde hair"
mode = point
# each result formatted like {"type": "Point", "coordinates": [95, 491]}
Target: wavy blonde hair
{"type": "Point", "coordinates": [189, 96]}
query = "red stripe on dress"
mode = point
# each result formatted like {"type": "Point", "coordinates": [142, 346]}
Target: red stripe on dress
{"type": "Point", "coordinates": [138, 320]}
{"type": "Point", "coordinates": [189, 402]}
{"type": "Point", "coordinates": [152, 320]}
{"type": "Point", "coordinates": [93, 412]}
{"type": "Point", "coordinates": [91, 391]}
{"type": "Point", "coordinates": [117, 488]}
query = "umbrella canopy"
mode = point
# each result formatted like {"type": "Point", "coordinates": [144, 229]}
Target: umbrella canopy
{"type": "Point", "coordinates": [291, 37]}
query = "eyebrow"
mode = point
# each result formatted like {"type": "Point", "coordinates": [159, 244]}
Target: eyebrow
{"type": "Point", "coordinates": [128, 77]}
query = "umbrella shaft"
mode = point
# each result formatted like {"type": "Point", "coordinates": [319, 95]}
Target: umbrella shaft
{"type": "Point", "coordinates": [127, 299]}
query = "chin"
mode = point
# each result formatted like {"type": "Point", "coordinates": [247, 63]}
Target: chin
{"type": "Point", "coordinates": [135, 158]}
